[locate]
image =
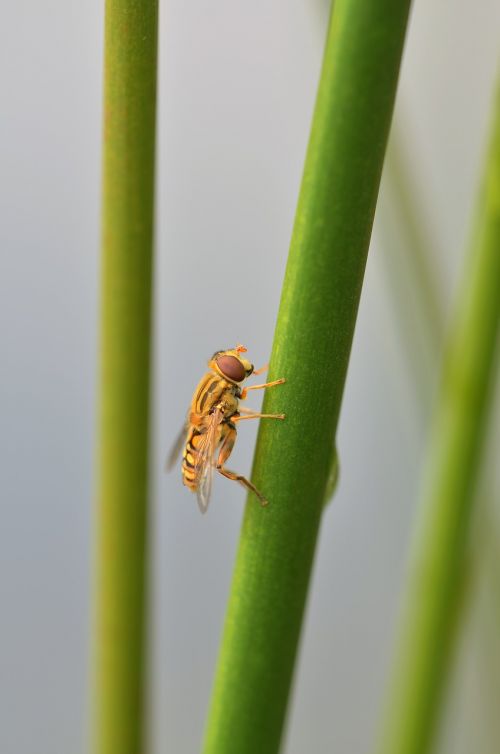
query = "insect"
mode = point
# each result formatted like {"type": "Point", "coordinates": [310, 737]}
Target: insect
{"type": "Point", "coordinates": [210, 426]}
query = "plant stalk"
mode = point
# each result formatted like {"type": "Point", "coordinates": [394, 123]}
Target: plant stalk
{"type": "Point", "coordinates": [127, 250]}
{"type": "Point", "coordinates": [311, 350]}
{"type": "Point", "coordinates": [448, 493]}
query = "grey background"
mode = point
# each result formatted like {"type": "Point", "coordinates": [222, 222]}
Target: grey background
{"type": "Point", "coordinates": [236, 91]}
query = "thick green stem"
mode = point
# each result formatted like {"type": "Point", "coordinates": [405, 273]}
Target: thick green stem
{"type": "Point", "coordinates": [127, 241]}
{"type": "Point", "coordinates": [449, 484]}
{"type": "Point", "coordinates": [311, 349]}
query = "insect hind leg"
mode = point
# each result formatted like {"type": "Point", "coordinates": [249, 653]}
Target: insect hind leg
{"type": "Point", "coordinates": [244, 482]}
{"type": "Point", "coordinates": [224, 453]}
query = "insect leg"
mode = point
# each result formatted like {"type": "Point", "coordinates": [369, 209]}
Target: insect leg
{"type": "Point", "coordinates": [257, 416]}
{"type": "Point", "coordinates": [224, 453]}
{"type": "Point", "coordinates": [260, 387]}
{"type": "Point", "coordinates": [261, 370]}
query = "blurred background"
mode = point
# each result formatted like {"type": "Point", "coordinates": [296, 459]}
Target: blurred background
{"type": "Point", "coordinates": [236, 92]}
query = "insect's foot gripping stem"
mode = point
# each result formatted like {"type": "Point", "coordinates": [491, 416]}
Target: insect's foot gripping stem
{"type": "Point", "coordinates": [257, 416]}
{"type": "Point", "coordinates": [261, 387]}
{"type": "Point", "coordinates": [244, 482]}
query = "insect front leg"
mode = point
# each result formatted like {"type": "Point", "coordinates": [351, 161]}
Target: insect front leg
{"type": "Point", "coordinates": [224, 453]}
{"type": "Point", "coordinates": [255, 415]}
{"type": "Point", "coordinates": [261, 387]}
{"type": "Point", "coordinates": [261, 370]}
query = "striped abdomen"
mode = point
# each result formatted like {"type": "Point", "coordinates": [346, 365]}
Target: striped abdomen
{"type": "Point", "coordinates": [189, 457]}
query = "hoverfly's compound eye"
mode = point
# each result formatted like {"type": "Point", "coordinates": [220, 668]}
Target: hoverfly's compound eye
{"type": "Point", "coordinates": [232, 368]}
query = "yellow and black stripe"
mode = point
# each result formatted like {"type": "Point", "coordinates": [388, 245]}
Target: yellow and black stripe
{"type": "Point", "coordinates": [212, 391]}
{"type": "Point", "coordinates": [208, 393]}
{"type": "Point", "coordinates": [189, 456]}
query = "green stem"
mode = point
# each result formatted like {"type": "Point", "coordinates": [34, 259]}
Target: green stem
{"type": "Point", "coordinates": [311, 349]}
{"type": "Point", "coordinates": [127, 241]}
{"type": "Point", "coordinates": [420, 320]}
{"type": "Point", "coordinates": [450, 479]}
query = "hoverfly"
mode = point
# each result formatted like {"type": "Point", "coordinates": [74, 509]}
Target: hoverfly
{"type": "Point", "coordinates": [211, 424]}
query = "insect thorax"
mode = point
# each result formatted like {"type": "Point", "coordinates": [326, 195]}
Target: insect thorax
{"type": "Point", "coordinates": [213, 391]}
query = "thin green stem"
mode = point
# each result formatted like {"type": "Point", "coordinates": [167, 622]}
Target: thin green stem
{"type": "Point", "coordinates": [311, 349]}
{"type": "Point", "coordinates": [127, 241]}
{"type": "Point", "coordinates": [420, 319]}
{"type": "Point", "coordinates": [449, 483]}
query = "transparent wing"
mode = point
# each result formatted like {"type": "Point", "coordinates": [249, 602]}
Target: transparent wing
{"type": "Point", "coordinates": [177, 447]}
{"type": "Point", "coordinates": [205, 462]}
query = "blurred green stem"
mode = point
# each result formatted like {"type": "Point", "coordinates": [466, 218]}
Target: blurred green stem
{"type": "Point", "coordinates": [311, 349]}
{"type": "Point", "coordinates": [127, 241]}
{"type": "Point", "coordinates": [449, 483]}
